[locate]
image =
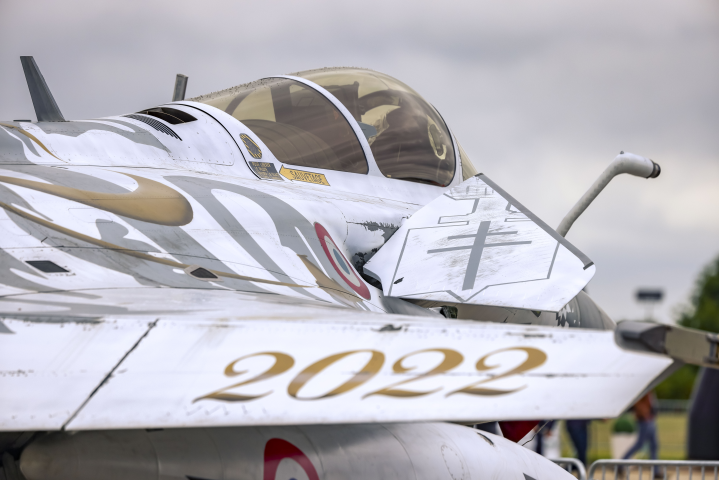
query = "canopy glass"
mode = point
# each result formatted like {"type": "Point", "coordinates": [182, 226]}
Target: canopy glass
{"type": "Point", "coordinates": [298, 124]}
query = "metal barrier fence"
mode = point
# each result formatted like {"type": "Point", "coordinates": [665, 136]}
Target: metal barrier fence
{"type": "Point", "coordinates": [675, 406]}
{"type": "Point", "coordinates": [654, 469]}
{"type": "Point", "coordinates": [572, 465]}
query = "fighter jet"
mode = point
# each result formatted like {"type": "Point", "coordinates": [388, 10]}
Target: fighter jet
{"type": "Point", "coordinates": [302, 277]}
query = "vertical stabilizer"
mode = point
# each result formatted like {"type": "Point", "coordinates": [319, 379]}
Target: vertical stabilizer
{"type": "Point", "coordinates": [46, 109]}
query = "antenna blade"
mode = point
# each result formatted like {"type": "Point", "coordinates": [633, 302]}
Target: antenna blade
{"type": "Point", "coordinates": [180, 87]}
{"type": "Point", "coordinates": [46, 109]}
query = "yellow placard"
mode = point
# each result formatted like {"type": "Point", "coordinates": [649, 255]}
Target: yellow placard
{"type": "Point", "coordinates": [302, 176]}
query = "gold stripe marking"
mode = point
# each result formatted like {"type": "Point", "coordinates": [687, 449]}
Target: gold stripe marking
{"type": "Point", "coordinates": [33, 138]}
{"type": "Point", "coordinates": [151, 201]}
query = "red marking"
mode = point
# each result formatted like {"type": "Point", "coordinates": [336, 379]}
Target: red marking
{"type": "Point", "coordinates": [516, 430]}
{"type": "Point", "coordinates": [362, 290]}
{"type": "Point", "coordinates": [276, 450]}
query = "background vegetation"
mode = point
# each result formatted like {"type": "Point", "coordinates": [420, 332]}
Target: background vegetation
{"type": "Point", "coordinates": [702, 314]}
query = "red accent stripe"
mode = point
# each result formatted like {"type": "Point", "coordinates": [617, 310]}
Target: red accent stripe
{"type": "Point", "coordinates": [362, 290]}
{"type": "Point", "coordinates": [277, 450]}
{"type": "Point", "coordinates": [517, 429]}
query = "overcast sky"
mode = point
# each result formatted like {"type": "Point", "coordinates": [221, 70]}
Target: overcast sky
{"type": "Point", "coordinates": [542, 95]}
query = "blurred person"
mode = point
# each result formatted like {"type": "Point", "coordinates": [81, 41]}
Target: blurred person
{"type": "Point", "coordinates": [578, 431]}
{"type": "Point", "coordinates": [645, 411]}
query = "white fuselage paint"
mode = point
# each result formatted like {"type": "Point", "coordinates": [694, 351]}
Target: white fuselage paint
{"type": "Point", "coordinates": [428, 451]}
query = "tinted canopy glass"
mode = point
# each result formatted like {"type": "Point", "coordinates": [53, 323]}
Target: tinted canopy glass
{"type": "Point", "coordinates": [408, 138]}
{"type": "Point", "coordinates": [299, 125]}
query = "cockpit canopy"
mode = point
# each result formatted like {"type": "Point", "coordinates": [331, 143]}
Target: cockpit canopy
{"type": "Point", "coordinates": [407, 136]}
{"type": "Point", "coordinates": [299, 125]}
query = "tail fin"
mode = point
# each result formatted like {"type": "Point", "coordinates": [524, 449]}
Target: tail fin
{"type": "Point", "coordinates": [46, 108]}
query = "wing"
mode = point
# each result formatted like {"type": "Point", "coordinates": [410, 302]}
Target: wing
{"type": "Point", "coordinates": [184, 357]}
{"type": "Point", "coordinates": [482, 247]}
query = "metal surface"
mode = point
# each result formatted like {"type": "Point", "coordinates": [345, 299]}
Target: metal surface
{"type": "Point", "coordinates": [203, 364]}
{"type": "Point", "coordinates": [572, 465]}
{"type": "Point", "coordinates": [652, 469]}
{"type": "Point", "coordinates": [691, 346]}
{"type": "Point", "coordinates": [623, 163]}
{"type": "Point", "coordinates": [579, 312]}
{"type": "Point", "coordinates": [427, 451]}
{"type": "Point", "coordinates": [180, 87]}
{"type": "Point", "coordinates": [46, 109]}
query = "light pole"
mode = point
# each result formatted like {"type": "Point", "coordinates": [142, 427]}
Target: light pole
{"type": "Point", "coordinates": [649, 297]}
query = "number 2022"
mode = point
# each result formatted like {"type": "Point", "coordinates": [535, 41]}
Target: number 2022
{"type": "Point", "coordinates": [450, 360]}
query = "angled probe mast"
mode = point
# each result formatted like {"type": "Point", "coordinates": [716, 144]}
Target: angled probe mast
{"type": "Point", "coordinates": [623, 163]}
{"type": "Point", "coordinates": [46, 108]}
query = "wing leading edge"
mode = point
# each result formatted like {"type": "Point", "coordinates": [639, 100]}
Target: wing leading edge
{"type": "Point", "coordinates": [476, 244]}
{"type": "Point", "coordinates": [274, 363]}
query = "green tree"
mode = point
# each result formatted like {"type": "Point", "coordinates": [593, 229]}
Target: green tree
{"type": "Point", "coordinates": [678, 385]}
{"type": "Point", "coordinates": [701, 314]}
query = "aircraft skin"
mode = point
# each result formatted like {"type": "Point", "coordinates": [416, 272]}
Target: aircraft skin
{"type": "Point", "coordinates": [171, 275]}
{"type": "Point", "coordinates": [363, 452]}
